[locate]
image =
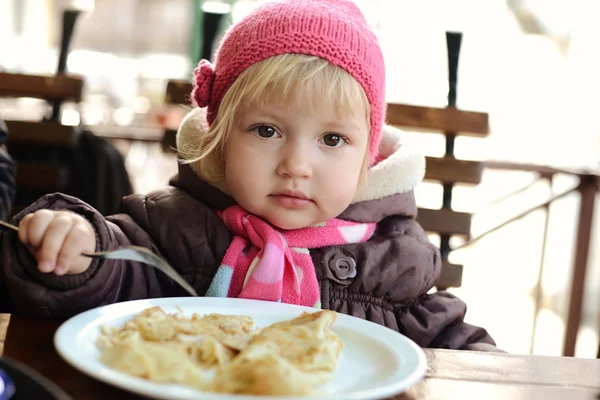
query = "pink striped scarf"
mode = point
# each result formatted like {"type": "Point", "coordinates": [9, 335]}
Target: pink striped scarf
{"type": "Point", "coordinates": [265, 263]}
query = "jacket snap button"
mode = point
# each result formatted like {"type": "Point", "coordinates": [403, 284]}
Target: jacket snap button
{"type": "Point", "coordinates": [342, 266]}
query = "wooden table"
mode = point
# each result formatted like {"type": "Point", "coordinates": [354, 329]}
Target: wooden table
{"type": "Point", "coordinates": [451, 374]}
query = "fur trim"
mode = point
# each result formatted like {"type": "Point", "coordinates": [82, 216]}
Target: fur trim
{"type": "Point", "coordinates": [401, 169]}
{"type": "Point", "coordinates": [192, 124]}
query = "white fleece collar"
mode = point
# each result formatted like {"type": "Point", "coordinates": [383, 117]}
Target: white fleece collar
{"type": "Point", "coordinates": [400, 171]}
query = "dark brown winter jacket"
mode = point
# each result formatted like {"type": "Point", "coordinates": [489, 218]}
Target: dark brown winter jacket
{"type": "Point", "coordinates": [385, 280]}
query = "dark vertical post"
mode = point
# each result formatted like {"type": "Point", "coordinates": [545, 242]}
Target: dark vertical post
{"type": "Point", "coordinates": [453, 42]}
{"type": "Point", "coordinates": [209, 33]}
{"type": "Point", "coordinates": [588, 187]}
{"type": "Point", "coordinates": [68, 27]}
{"type": "Point", "coordinates": [212, 17]}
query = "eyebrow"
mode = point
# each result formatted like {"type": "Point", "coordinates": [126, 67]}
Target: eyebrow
{"type": "Point", "coordinates": [262, 112]}
{"type": "Point", "coordinates": [340, 126]}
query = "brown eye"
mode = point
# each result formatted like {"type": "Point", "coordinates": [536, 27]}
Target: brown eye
{"type": "Point", "coordinates": [332, 140]}
{"type": "Point", "coordinates": [265, 131]}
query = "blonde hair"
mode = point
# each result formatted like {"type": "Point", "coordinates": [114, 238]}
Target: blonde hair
{"type": "Point", "coordinates": [279, 79]}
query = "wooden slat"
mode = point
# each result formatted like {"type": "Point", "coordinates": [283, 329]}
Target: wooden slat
{"type": "Point", "coordinates": [130, 133]}
{"type": "Point", "coordinates": [445, 221]}
{"type": "Point", "coordinates": [45, 133]}
{"type": "Point", "coordinates": [468, 123]}
{"type": "Point", "coordinates": [451, 170]}
{"type": "Point", "coordinates": [40, 176]}
{"type": "Point", "coordinates": [451, 276]}
{"type": "Point", "coordinates": [61, 87]}
{"type": "Point", "coordinates": [178, 92]}
{"type": "Point", "coordinates": [541, 168]}
{"type": "Point", "coordinates": [4, 320]}
{"type": "Point", "coordinates": [434, 388]}
{"type": "Point", "coordinates": [510, 369]}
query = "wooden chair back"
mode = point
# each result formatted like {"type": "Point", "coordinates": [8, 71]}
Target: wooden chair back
{"type": "Point", "coordinates": [446, 170]}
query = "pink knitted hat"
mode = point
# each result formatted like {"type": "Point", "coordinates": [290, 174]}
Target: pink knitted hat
{"type": "Point", "coordinates": [334, 30]}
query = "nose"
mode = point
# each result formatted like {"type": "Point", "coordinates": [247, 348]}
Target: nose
{"type": "Point", "coordinates": [295, 161]}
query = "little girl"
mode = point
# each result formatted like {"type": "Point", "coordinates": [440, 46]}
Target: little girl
{"type": "Point", "coordinates": [289, 189]}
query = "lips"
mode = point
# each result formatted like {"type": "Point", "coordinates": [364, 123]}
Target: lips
{"type": "Point", "coordinates": [294, 199]}
{"type": "Point", "coordinates": [293, 193]}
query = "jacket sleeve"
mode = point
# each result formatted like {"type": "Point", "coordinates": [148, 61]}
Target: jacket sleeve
{"type": "Point", "coordinates": [436, 320]}
{"type": "Point", "coordinates": [108, 281]}
{"type": "Point", "coordinates": [7, 183]}
{"type": "Point", "coordinates": [7, 176]}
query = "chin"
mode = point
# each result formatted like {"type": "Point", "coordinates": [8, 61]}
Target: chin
{"type": "Point", "coordinates": [284, 223]}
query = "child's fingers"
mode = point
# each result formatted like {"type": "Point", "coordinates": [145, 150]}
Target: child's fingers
{"type": "Point", "coordinates": [73, 245]}
{"type": "Point", "coordinates": [37, 226]}
{"type": "Point", "coordinates": [24, 229]}
{"type": "Point", "coordinates": [52, 242]}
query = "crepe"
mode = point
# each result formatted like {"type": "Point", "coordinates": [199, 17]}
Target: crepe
{"type": "Point", "coordinates": [159, 362]}
{"type": "Point", "coordinates": [225, 353]}
{"type": "Point", "coordinates": [208, 341]}
{"type": "Point", "coordinates": [287, 358]}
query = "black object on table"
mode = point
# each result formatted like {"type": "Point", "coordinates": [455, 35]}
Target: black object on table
{"type": "Point", "coordinates": [30, 384]}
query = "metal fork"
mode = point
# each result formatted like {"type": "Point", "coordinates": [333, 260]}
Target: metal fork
{"type": "Point", "coordinates": [133, 253]}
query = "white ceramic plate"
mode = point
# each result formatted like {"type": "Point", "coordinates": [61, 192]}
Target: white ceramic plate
{"type": "Point", "coordinates": [376, 362]}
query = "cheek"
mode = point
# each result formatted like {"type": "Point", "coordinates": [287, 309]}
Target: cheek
{"type": "Point", "coordinates": [340, 197]}
{"type": "Point", "coordinates": [238, 171]}
{"type": "Point", "coordinates": [234, 167]}
{"type": "Point", "coordinates": [244, 171]}
{"type": "Point", "coordinates": [341, 183]}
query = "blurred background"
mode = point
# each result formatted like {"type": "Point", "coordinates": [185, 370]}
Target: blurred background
{"type": "Point", "coordinates": [511, 205]}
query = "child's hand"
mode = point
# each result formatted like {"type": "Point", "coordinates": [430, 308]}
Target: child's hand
{"type": "Point", "coordinates": [57, 239]}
